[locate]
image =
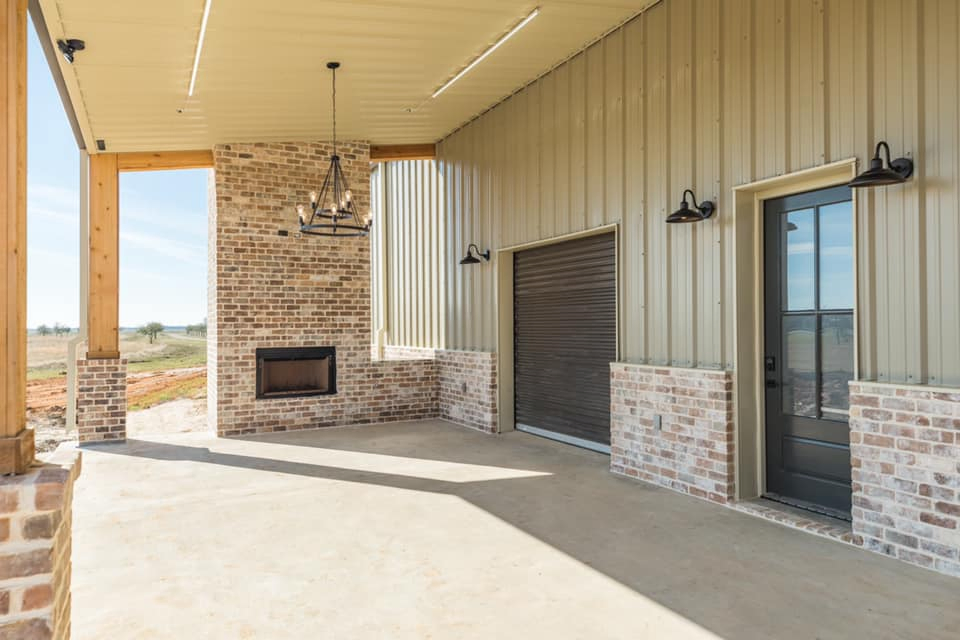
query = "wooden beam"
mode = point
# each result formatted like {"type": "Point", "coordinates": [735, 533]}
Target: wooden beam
{"type": "Point", "coordinates": [16, 441]}
{"type": "Point", "coordinates": [163, 160]}
{"type": "Point", "coordinates": [103, 302]}
{"type": "Point", "coordinates": [384, 152]}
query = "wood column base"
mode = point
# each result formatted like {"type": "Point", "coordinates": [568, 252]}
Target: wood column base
{"type": "Point", "coordinates": [17, 453]}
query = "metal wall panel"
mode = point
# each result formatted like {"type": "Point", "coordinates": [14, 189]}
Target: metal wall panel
{"type": "Point", "coordinates": [410, 242]}
{"type": "Point", "coordinates": [616, 133]}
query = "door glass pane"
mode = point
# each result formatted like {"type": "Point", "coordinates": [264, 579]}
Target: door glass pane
{"type": "Point", "coordinates": [798, 279]}
{"type": "Point", "coordinates": [799, 378]}
{"type": "Point", "coordinates": [836, 354]}
{"type": "Point", "coordinates": [836, 256]}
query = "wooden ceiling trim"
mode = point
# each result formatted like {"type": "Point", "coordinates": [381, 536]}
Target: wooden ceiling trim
{"type": "Point", "coordinates": [385, 152]}
{"type": "Point", "coordinates": [165, 160]}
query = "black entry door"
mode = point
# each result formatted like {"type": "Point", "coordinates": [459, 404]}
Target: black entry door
{"type": "Point", "coordinates": [565, 337]}
{"type": "Point", "coordinates": [809, 353]}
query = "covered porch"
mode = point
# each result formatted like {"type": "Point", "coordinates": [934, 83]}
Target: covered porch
{"type": "Point", "coordinates": [427, 529]}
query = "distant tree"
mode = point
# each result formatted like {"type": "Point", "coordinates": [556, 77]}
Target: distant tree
{"type": "Point", "coordinates": [197, 329]}
{"type": "Point", "coordinates": [151, 330]}
{"type": "Point", "coordinates": [43, 330]}
{"type": "Point", "coordinates": [59, 329]}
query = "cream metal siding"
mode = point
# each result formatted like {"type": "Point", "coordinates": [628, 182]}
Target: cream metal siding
{"type": "Point", "coordinates": [710, 95]}
{"type": "Point", "coordinates": [408, 275]}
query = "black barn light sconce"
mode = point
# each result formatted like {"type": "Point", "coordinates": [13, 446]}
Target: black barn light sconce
{"type": "Point", "coordinates": [700, 211]}
{"type": "Point", "coordinates": [473, 255]}
{"type": "Point", "coordinates": [878, 175]}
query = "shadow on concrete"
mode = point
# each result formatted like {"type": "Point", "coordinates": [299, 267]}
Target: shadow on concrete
{"type": "Point", "coordinates": [732, 574]}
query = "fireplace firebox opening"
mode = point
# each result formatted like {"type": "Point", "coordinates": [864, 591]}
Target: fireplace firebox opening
{"type": "Point", "coordinates": [290, 372]}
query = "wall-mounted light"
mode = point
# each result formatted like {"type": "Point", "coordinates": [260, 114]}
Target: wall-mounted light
{"type": "Point", "coordinates": [473, 255]}
{"type": "Point", "coordinates": [878, 175]}
{"type": "Point", "coordinates": [69, 47]}
{"type": "Point", "coordinates": [700, 211]}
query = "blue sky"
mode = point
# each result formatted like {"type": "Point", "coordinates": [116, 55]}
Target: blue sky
{"type": "Point", "coordinates": [163, 224]}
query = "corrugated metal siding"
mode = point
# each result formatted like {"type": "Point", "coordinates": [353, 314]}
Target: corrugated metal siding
{"type": "Point", "coordinates": [775, 86]}
{"type": "Point", "coordinates": [408, 284]}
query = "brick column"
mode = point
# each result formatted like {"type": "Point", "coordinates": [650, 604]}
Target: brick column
{"type": "Point", "coordinates": [102, 400]}
{"type": "Point", "coordinates": [35, 543]}
{"type": "Point", "coordinates": [905, 453]}
{"type": "Point", "coordinates": [691, 450]}
{"type": "Point", "coordinates": [468, 389]}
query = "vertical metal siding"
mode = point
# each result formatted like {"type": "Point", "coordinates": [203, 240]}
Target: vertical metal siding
{"type": "Point", "coordinates": [408, 299]}
{"type": "Point", "coordinates": [616, 133]}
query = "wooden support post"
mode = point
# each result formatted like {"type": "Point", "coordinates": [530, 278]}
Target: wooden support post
{"type": "Point", "coordinates": [103, 303]}
{"type": "Point", "coordinates": [16, 441]}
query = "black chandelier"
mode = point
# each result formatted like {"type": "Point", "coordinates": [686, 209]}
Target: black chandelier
{"type": "Point", "coordinates": [332, 209]}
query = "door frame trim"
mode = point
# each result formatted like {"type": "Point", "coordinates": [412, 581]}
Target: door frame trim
{"type": "Point", "coordinates": [748, 397]}
{"type": "Point", "coordinates": [504, 297]}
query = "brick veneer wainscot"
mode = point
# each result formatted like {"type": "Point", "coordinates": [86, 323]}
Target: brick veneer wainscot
{"type": "Point", "coordinates": [35, 547]}
{"type": "Point", "coordinates": [468, 388]}
{"type": "Point", "coordinates": [101, 400]}
{"type": "Point", "coordinates": [905, 453]}
{"type": "Point", "coordinates": [269, 290]}
{"type": "Point", "coordinates": [693, 452]}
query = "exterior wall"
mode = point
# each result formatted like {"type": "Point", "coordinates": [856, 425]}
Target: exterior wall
{"type": "Point", "coordinates": [35, 545]}
{"type": "Point", "coordinates": [284, 291]}
{"type": "Point", "coordinates": [408, 289]}
{"type": "Point", "coordinates": [693, 451]}
{"type": "Point", "coordinates": [468, 389]}
{"type": "Point", "coordinates": [905, 448]}
{"type": "Point", "coordinates": [212, 297]}
{"type": "Point", "coordinates": [101, 400]}
{"type": "Point", "coordinates": [615, 134]}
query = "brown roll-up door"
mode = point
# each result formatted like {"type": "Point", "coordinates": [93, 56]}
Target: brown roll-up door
{"type": "Point", "coordinates": [565, 336]}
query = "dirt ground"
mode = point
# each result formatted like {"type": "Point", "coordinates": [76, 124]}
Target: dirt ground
{"type": "Point", "coordinates": [46, 404]}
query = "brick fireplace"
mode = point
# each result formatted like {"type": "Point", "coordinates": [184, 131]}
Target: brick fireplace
{"type": "Point", "coordinates": [271, 289]}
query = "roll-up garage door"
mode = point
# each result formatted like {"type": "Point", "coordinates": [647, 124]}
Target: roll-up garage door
{"type": "Point", "coordinates": [565, 337]}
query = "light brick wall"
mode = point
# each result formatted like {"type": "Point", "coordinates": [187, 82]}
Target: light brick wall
{"type": "Point", "coordinates": [212, 263]}
{"type": "Point", "coordinates": [101, 400]}
{"type": "Point", "coordinates": [468, 388]}
{"type": "Point", "coordinates": [35, 547]}
{"type": "Point", "coordinates": [905, 452]}
{"type": "Point", "coordinates": [270, 290]}
{"type": "Point", "coordinates": [391, 352]}
{"type": "Point", "coordinates": [693, 452]}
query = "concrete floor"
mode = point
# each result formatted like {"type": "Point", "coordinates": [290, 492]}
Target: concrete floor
{"type": "Point", "coordinates": [427, 530]}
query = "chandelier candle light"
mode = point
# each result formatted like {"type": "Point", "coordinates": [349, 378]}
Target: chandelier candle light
{"type": "Point", "coordinates": [332, 209]}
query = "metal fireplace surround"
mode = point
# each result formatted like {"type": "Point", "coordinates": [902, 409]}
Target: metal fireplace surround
{"type": "Point", "coordinates": [296, 372]}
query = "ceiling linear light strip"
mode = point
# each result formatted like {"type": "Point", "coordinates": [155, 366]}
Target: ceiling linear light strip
{"type": "Point", "coordinates": [196, 57]}
{"type": "Point", "coordinates": [491, 49]}
{"type": "Point", "coordinates": [556, 66]}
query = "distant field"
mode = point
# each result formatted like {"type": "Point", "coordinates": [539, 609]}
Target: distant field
{"type": "Point", "coordinates": [47, 355]}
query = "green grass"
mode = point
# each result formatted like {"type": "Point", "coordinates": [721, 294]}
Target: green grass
{"type": "Point", "coordinates": [178, 352]}
{"type": "Point", "coordinates": [191, 388]}
{"type": "Point", "coordinates": [45, 373]}
{"type": "Point", "coordinates": [173, 350]}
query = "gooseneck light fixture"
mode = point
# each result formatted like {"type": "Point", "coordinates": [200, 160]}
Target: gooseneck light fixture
{"type": "Point", "coordinates": [700, 211]}
{"type": "Point", "coordinates": [878, 175]}
{"type": "Point", "coordinates": [332, 209]}
{"type": "Point", "coordinates": [473, 255]}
